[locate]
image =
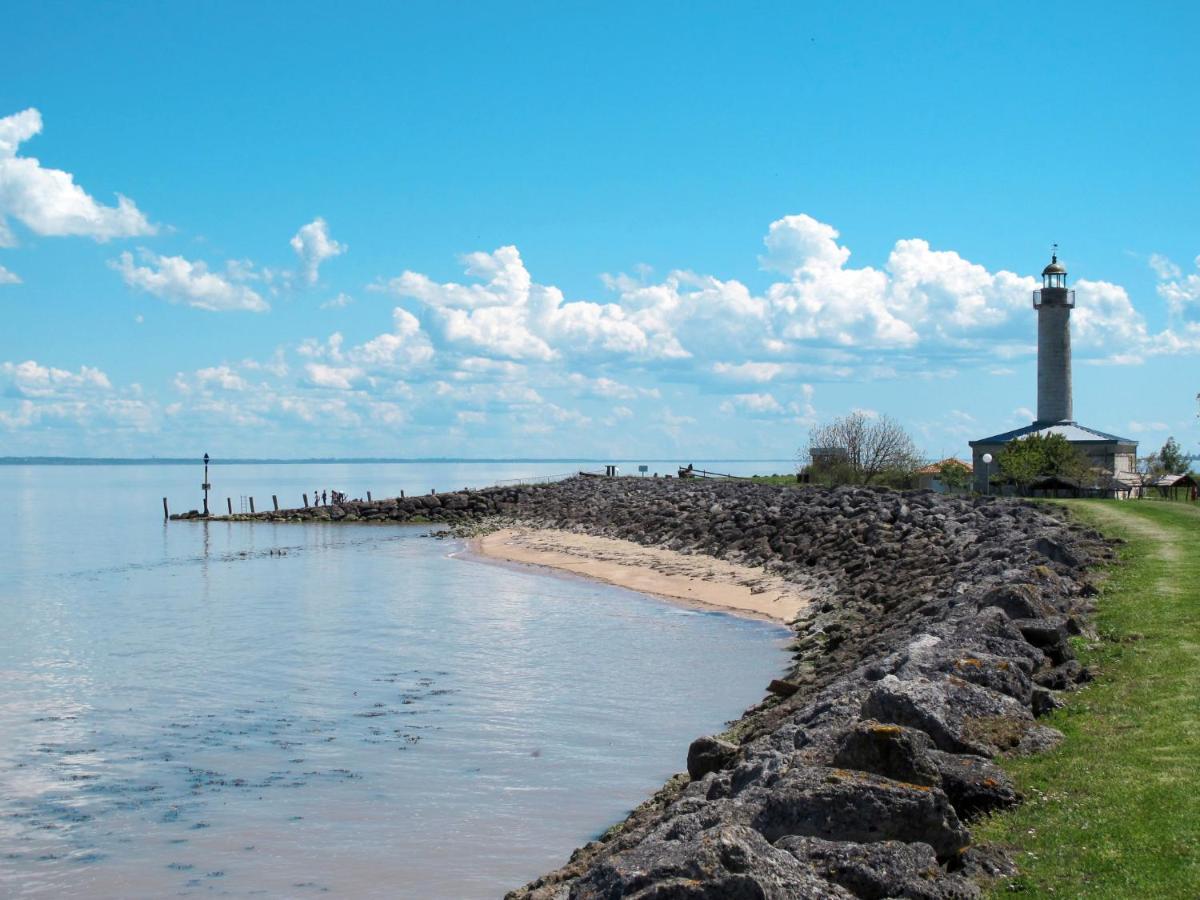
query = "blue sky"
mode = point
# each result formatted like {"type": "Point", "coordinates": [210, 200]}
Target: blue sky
{"type": "Point", "coordinates": [586, 229]}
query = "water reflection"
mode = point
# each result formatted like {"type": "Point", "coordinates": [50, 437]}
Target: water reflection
{"type": "Point", "coordinates": [287, 709]}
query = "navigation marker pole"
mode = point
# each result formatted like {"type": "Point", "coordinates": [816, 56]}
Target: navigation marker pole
{"type": "Point", "coordinates": [206, 487]}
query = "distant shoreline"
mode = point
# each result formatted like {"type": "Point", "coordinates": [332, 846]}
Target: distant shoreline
{"type": "Point", "coordinates": [333, 460]}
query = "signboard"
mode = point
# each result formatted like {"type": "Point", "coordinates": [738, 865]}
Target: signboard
{"type": "Point", "coordinates": [643, 469]}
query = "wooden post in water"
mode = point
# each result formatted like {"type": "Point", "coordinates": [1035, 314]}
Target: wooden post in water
{"type": "Point", "coordinates": [275, 500]}
{"type": "Point", "coordinates": [306, 501]}
{"type": "Point", "coordinates": [166, 515]}
{"type": "Point", "coordinates": [402, 495]}
{"type": "Point", "coordinates": [369, 500]}
{"type": "Point", "coordinates": [251, 506]}
{"type": "Point", "coordinates": [229, 504]}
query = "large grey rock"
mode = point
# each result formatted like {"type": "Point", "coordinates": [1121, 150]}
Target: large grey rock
{"type": "Point", "coordinates": [881, 870]}
{"type": "Point", "coordinates": [1063, 677]}
{"type": "Point", "coordinates": [1048, 635]}
{"type": "Point", "coordinates": [1019, 601]}
{"type": "Point", "coordinates": [974, 785]}
{"type": "Point", "coordinates": [1057, 551]}
{"type": "Point", "coordinates": [720, 862]}
{"type": "Point", "coordinates": [846, 805]}
{"type": "Point", "coordinates": [709, 754]}
{"type": "Point", "coordinates": [893, 751]}
{"type": "Point", "coordinates": [970, 657]}
{"type": "Point", "coordinates": [960, 717]}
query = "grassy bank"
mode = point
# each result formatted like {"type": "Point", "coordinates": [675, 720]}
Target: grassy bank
{"type": "Point", "coordinates": [785, 480]}
{"type": "Point", "coordinates": [1115, 811]}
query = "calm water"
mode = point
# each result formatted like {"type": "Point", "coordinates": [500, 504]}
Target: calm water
{"type": "Point", "coordinates": [289, 710]}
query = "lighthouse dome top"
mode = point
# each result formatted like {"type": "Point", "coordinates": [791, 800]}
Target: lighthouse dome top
{"type": "Point", "coordinates": [1055, 267]}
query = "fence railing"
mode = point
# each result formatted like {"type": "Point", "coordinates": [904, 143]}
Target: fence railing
{"type": "Point", "coordinates": [537, 479]}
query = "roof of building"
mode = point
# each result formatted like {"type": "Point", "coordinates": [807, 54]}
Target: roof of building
{"type": "Point", "coordinates": [1184, 480]}
{"type": "Point", "coordinates": [1055, 268]}
{"type": "Point", "coordinates": [936, 468]}
{"type": "Point", "coordinates": [1099, 480]}
{"type": "Point", "coordinates": [1072, 431]}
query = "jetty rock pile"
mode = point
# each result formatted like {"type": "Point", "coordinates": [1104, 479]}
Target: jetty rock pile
{"type": "Point", "coordinates": [937, 636]}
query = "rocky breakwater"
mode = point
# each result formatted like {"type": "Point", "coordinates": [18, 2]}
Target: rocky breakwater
{"type": "Point", "coordinates": [939, 637]}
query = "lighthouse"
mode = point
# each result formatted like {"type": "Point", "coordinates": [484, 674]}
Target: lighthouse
{"type": "Point", "coordinates": [1113, 458]}
{"type": "Point", "coordinates": [1054, 303]}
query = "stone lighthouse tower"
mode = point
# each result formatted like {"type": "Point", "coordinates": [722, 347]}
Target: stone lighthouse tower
{"type": "Point", "coordinates": [1054, 304]}
{"type": "Point", "coordinates": [1113, 458]}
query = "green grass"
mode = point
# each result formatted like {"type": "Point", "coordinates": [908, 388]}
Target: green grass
{"type": "Point", "coordinates": [1115, 811]}
{"type": "Point", "coordinates": [788, 480]}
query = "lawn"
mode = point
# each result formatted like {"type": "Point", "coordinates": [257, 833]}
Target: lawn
{"type": "Point", "coordinates": [788, 480]}
{"type": "Point", "coordinates": [1115, 811]}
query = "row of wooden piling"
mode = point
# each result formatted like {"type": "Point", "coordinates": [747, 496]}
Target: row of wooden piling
{"type": "Point", "coordinates": [274, 502]}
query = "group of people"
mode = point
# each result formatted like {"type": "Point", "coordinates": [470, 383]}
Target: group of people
{"type": "Point", "coordinates": [324, 498]}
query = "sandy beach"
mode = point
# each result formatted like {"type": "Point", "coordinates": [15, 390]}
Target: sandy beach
{"type": "Point", "coordinates": [691, 579]}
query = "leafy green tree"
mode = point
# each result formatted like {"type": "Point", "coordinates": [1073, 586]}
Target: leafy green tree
{"type": "Point", "coordinates": [1064, 459]}
{"type": "Point", "coordinates": [1026, 459]}
{"type": "Point", "coordinates": [954, 475]}
{"type": "Point", "coordinates": [1171, 459]}
{"type": "Point", "coordinates": [1021, 461]}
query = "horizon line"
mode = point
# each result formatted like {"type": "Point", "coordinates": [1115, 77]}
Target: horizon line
{"type": "Point", "coordinates": [249, 460]}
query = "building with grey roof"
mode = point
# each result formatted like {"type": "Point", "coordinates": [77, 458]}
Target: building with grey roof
{"type": "Point", "coordinates": [1116, 456]}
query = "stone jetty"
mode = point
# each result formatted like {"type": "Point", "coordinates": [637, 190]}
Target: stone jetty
{"type": "Point", "coordinates": [938, 639]}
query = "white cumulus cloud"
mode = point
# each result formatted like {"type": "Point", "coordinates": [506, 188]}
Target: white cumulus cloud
{"type": "Point", "coordinates": [179, 280]}
{"type": "Point", "coordinates": [1182, 292]}
{"type": "Point", "coordinates": [1104, 316]}
{"type": "Point", "coordinates": [921, 297]}
{"type": "Point", "coordinates": [35, 397]}
{"type": "Point", "coordinates": [313, 245]}
{"type": "Point", "coordinates": [766, 406]}
{"type": "Point", "coordinates": [404, 347]}
{"type": "Point", "coordinates": [48, 201]}
{"type": "Point", "coordinates": [338, 378]}
{"type": "Point", "coordinates": [31, 379]}
{"type": "Point", "coordinates": [7, 277]}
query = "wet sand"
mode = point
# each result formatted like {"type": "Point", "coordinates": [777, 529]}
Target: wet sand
{"type": "Point", "coordinates": [697, 580]}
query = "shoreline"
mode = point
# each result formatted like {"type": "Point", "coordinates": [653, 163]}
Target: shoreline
{"type": "Point", "coordinates": [932, 635]}
{"type": "Point", "coordinates": [701, 582]}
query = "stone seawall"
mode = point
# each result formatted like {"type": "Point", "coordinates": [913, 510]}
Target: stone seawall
{"type": "Point", "coordinates": [940, 637]}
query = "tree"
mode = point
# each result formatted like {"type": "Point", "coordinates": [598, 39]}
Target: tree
{"type": "Point", "coordinates": [1171, 458]}
{"type": "Point", "coordinates": [1149, 470]}
{"type": "Point", "coordinates": [954, 475]}
{"type": "Point", "coordinates": [859, 448]}
{"type": "Point", "coordinates": [1026, 459]}
{"type": "Point", "coordinates": [1021, 461]}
